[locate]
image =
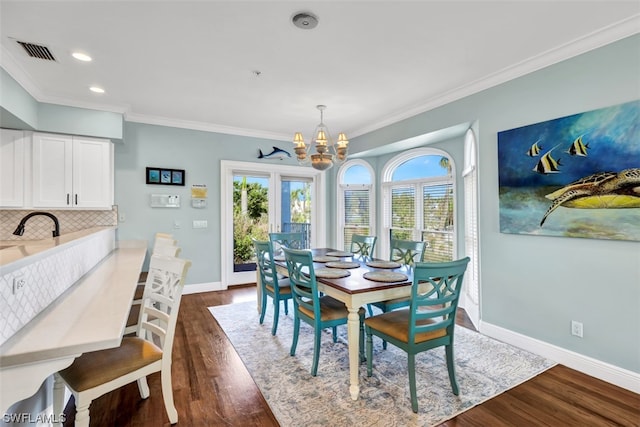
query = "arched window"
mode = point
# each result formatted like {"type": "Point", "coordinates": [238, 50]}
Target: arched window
{"type": "Point", "coordinates": [419, 201]}
{"type": "Point", "coordinates": [355, 201]}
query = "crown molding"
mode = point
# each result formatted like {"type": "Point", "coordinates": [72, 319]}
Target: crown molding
{"type": "Point", "coordinates": [206, 127]}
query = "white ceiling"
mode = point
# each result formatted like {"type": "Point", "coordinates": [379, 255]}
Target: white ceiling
{"type": "Point", "coordinates": [194, 64]}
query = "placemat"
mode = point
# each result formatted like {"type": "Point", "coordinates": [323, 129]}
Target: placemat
{"type": "Point", "coordinates": [383, 264]}
{"type": "Point", "coordinates": [385, 276]}
{"type": "Point", "coordinates": [340, 254]}
{"type": "Point", "coordinates": [343, 264]}
{"type": "Point", "coordinates": [324, 258]}
{"type": "Point", "coordinates": [331, 273]}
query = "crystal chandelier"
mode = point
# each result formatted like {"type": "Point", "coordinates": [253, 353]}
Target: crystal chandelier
{"type": "Point", "coordinates": [325, 151]}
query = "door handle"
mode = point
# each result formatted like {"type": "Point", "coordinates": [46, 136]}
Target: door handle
{"type": "Point", "coordinates": [76, 199]}
{"type": "Point", "coordinates": [67, 199]}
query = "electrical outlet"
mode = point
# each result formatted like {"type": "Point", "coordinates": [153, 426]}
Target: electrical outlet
{"type": "Point", "coordinates": [200, 223]}
{"type": "Point", "coordinates": [576, 328]}
{"type": "Point", "coordinates": [18, 283]}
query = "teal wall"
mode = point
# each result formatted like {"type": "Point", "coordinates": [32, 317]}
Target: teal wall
{"type": "Point", "coordinates": [530, 285]}
{"type": "Point", "coordinates": [199, 153]}
{"type": "Point", "coordinates": [19, 110]}
{"type": "Point", "coordinates": [536, 285]}
{"type": "Point", "coordinates": [79, 121]}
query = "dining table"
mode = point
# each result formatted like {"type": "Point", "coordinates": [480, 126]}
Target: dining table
{"type": "Point", "coordinates": [355, 290]}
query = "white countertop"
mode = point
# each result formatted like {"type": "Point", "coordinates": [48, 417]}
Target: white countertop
{"type": "Point", "coordinates": [91, 315]}
{"type": "Point", "coordinates": [17, 253]}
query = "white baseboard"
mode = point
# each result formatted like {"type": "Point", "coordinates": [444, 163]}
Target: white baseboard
{"type": "Point", "coordinates": [203, 287]}
{"type": "Point", "coordinates": [612, 374]}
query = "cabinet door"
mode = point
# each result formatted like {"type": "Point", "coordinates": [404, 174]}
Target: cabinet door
{"type": "Point", "coordinates": [52, 170]}
{"type": "Point", "coordinates": [12, 145]}
{"type": "Point", "coordinates": [92, 173]}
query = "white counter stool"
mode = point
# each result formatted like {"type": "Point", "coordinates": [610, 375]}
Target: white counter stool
{"type": "Point", "coordinates": [160, 239]}
{"type": "Point", "coordinates": [96, 373]}
{"type": "Point", "coordinates": [134, 313]}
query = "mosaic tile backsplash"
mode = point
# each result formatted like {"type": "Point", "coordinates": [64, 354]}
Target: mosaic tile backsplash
{"type": "Point", "coordinates": [47, 278]}
{"type": "Point", "coordinates": [40, 227]}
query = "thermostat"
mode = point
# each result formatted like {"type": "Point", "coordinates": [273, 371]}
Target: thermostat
{"type": "Point", "coordinates": [165, 201]}
{"type": "Point", "coordinates": [198, 203]}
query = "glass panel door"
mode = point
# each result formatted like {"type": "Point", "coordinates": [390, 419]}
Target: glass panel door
{"type": "Point", "coordinates": [250, 218]}
{"type": "Point", "coordinates": [296, 207]}
{"type": "Point", "coordinates": [261, 198]}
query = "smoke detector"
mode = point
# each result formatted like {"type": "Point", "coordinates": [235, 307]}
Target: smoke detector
{"type": "Point", "coordinates": [305, 20]}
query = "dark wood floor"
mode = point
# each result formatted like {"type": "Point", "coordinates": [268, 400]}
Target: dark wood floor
{"type": "Point", "coordinates": [213, 388]}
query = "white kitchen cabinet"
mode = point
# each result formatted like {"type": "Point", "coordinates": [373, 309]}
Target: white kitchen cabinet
{"type": "Point", "coordinates": [12, 168]}
{"type": "Point", "coordinates": [72, 172]}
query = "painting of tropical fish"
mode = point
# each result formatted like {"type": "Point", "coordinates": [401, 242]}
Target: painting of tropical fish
{"type": "Point", "coordinates": [548, 164]}
{"type": "Point", "coordinates": [594, 192]}
{"type": "Point", "coordinates": [277, 153]}
{"type": "Point", "coordinates": [535, 149]}
{"type": "Point", "coordinates": [578, 148]}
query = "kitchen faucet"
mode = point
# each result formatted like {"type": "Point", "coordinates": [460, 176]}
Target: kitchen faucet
{"type": "Point", "coordinates": [20, 229]}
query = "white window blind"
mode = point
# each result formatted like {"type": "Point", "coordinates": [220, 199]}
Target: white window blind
{"type": "Point", "coordinates": [438, 222]}
{"type": "Point", "coordinates": [355, 201]}
{"type": "Point", "coordinates": [471, 242]}
{"type": "Point", "coordinates": [357, 214]}
{"type": "Point", "coordinates": [403, 212]}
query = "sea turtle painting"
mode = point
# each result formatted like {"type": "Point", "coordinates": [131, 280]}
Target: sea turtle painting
{"type": "Point", "coordinates": [602, 190]}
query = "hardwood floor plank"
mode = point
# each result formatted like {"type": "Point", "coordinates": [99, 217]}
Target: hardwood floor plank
{"type": "Point", "coordinates": [212, 387]}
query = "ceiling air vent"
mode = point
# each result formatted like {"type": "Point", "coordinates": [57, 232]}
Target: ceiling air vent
{"type": "Point", "coordinates": [37, 51]}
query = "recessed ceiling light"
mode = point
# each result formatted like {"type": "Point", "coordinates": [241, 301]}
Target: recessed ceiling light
{"type": "Point", "coordinates": [96, 89]}
{"type": "Point", "coordinates": [81, 56]}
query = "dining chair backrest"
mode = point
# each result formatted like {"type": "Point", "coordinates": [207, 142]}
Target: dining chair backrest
{"type": "Point", "coordinates": [363, 246]}
{"type": "Point", "coordinates": [287, 240]}
{"type": "Point", "coordinates": [302, 277]}
{"type": "Point", "coordinates": [265, 262]}
{"type": "Point", "coordinates": [434, 296]}
{"type": "Point", "coordinates": [407, 252]}
{"type": "Point", "coordinates": [271, 283]}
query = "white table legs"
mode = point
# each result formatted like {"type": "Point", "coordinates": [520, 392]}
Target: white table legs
{"type": "Point", "coordinates": [353, 334]}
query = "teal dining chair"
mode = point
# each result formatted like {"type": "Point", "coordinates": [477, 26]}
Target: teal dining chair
{"type": "Point", "coordinates": [320, 312]}
{"type": "Point", "coordinates": [271, 284]}
{"type": "Point", "coordinates": [407, 253]}
{"type": "Point", "coordinates": [429, 322]}
{"type": "Point", "coordinates": [362, 247]}
{"type": "Point", "coordinates": [287, 240]}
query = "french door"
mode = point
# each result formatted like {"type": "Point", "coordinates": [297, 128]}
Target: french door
{"type": "Point", "coordinates": [260, 198]}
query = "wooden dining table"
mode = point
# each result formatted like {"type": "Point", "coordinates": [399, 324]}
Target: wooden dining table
{"type": "Point", "coordinates": [354, 291]}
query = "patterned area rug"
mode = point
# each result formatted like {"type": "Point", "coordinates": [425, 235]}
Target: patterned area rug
{"type": "Point", "coordinates": [485, 368]}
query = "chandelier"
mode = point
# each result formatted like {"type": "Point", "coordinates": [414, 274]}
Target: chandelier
{"type": "Point", "coordinates": [322, 152]}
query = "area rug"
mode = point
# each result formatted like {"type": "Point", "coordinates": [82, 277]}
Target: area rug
{"type": "Point", "coordinates": [484, 368]}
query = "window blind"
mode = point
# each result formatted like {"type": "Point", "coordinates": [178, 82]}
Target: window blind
{"type": "Point", "coordinates": [438, 221]}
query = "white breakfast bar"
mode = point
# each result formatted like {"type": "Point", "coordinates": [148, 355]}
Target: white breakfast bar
{"type": "Point", "coordinates": [90, 314]}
